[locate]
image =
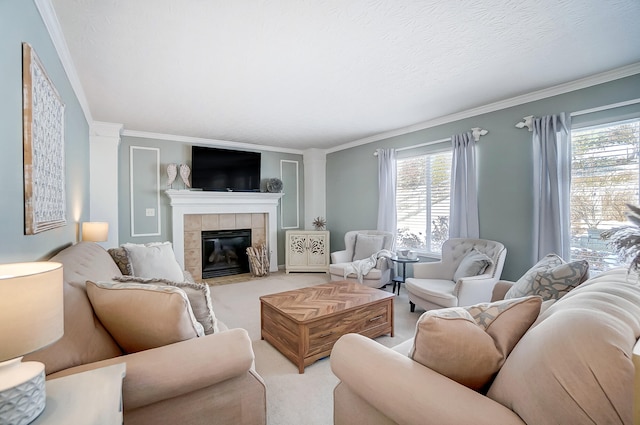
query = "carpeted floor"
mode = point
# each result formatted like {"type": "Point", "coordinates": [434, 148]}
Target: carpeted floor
{"type": "Point", "coordinates": [293, 398]}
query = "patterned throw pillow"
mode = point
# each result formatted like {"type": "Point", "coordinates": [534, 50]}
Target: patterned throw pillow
{"type": "Point", "coordinates": [121, 259]}
{"type": "Point", "coordinates": [199, 296]}
{"type": "Point", "coordinates": [550, 278]}
{"type": "Point", "coordinates": [470, 344]}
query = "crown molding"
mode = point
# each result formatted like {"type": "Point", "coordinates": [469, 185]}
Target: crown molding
{"type": "Point", "coordinates": [48, 14]}
{"type": "Point", "coordinates": [105, 129]}
{"type": "Point", "coordinates": [209, 142]}
{"type": "Point", "coordinates": [604, 77]}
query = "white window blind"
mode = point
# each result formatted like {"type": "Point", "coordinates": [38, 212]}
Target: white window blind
{"type": "Point", "coordinates": [605, 171]}
{"type": "Point", "coordinates": [422, 201]}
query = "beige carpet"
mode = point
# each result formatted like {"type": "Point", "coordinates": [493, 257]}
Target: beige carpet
{"type": "Point", "coordinates": [293, 398]}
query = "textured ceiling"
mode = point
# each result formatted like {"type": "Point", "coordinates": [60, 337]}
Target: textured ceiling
{"type": "Point", "coordinates": [317, 74]}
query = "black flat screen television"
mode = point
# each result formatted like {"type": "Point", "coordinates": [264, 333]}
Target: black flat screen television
{"type": "Point", "coordinates": [225, 170]}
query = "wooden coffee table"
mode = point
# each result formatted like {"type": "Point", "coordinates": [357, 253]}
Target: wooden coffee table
{"type": "Point", "coordinates": [303, 324]}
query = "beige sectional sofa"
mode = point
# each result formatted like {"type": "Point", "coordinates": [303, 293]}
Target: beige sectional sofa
{"type": "Point", "coordinates": [203, 380]}
{"type": "Point", "coordinates": [572, 366]}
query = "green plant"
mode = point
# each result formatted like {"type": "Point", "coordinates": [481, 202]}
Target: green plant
{"type": "Point", "coordinates": [626, 239]}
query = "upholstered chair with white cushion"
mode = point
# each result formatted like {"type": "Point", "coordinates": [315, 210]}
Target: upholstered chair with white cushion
{"type": "Point", "coordinates": [360, 245]}
{"type": "Point", "coordinates": [465, 275]}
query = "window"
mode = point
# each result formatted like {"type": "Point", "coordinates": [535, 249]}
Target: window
{"type": "Point", "coordinates": [605, 170]}
{"type": "Point", "coordinates": [422, 201]}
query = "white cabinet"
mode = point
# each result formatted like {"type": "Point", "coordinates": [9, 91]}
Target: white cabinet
{"type": "Point", "coordinates": [307, 251]}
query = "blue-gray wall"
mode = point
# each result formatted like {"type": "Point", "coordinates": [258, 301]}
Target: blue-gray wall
{"type": "Point", "coordinates": [504, 169]}
{"type": "Point", "coordinates": [21, 22]}
{"type": "Point", "coordinates": [180, 153]}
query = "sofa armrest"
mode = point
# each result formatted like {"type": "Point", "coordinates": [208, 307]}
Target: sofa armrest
{"type": "Point", "coordinates": [431, 270]}
{"type": "Point", "coordinates": [177, 369]}
{"type": "Point", "coordinates": [340, 257]}
{"type": "Point", "coordinates": [474, 289]}
{"type": "Point", "coordinates": [407, 392]}
{"type": "Point", "coordinates": [500, 289]}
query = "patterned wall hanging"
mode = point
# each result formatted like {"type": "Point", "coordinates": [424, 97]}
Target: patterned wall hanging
{"type": "Point", "coordinates": [43, 142]}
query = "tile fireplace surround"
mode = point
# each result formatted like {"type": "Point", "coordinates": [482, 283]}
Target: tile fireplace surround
{"type": "Point", "coordinates": [195, 211]}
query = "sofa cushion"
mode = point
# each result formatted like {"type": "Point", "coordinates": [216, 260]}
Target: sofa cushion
{"type": "Point", "coordinates": [473, 264]}
{"type": "Point", "coordinates": [199, 296]}
{"type": "Point", "coordinates": [143, 316]}
{"type": "Point", "coordinates": [367, 245]}
{"type": "Point", "coordinates": [437, 291]}
{"type": "Point", "coordinates": [155, 260]}
{"type": "Point", "coordinates": [339, 269]}
{"type": "Point", "coordinates": [576, 360]}
{"type": "Point", "coordinates": [470, 344]}
{"type": "Point", "coordinates": [550, 278]}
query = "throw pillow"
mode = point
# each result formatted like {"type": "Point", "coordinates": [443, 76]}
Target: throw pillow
{"type": "Point", "coordinates": [121, 259]}
{"type": "Point", "coordinates": [199, 296]}
{"type": "Point", "coordinates": [470, 344]}
{"type": "Point", "coordinates": [143, 316]}
{"type": "Point", "coordinates": [367, 245]}
{"type": "Point", "coordinates": [550, 278]}
{"type": "Point", "coordinates": [473, 264]}
{"type": "Point", "coordinates": [155, 260]}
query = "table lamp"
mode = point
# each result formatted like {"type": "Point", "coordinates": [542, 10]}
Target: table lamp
{"type": "Point", "coordinates": [31, 317]}
{"type": "Point", "coordinates": [95, 231]}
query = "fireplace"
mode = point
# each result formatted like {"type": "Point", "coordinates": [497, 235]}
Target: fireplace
{"type": "Point", "coordinates": [224, 252]}
{"type": "Point", "coordinates": [193, 212]}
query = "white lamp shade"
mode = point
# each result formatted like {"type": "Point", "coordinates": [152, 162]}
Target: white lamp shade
{"type": "Point", "coordinates": [95, 231]}
{"type": "Point", "coordinates": [31, 307]}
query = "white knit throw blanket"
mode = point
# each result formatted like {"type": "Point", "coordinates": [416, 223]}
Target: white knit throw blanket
{"type": "Point", "coordinates": [361, 267]}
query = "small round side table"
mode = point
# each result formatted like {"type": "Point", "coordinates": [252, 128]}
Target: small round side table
{"type": "Point", "coordinates": [399, 280]}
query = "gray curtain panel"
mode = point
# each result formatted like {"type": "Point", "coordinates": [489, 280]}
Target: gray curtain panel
{"type": "Point", "coordinates": [387, 190]}
{"type": "Point", "coordinates": [551, 183]}
{"type": "Point", "coordinates": [463, 221]}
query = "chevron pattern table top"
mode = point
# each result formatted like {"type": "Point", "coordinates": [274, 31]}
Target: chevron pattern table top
{"type": "Point", "coordinates": [327, 299]}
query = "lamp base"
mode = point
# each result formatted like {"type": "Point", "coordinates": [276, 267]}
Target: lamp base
{"type": "Point", "coordinates": [22, 391]}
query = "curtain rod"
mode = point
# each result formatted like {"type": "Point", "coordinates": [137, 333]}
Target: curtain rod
{"type": "Point", "coordinates": [406, 148]}
{"type": "Point", "coordinates": [528, 120]}
{"type": "Point", "coordinates": [476, 132]}
{"type": "Point", "coordinates": [605, 107]}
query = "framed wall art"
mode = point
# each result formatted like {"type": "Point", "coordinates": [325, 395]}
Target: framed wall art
{"type": "Point", "coordinates": [289, 209]}
{"type": "Point", "coordinates": [43, 142]}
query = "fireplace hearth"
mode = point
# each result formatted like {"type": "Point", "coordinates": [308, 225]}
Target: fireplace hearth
{"type": "Point", "coordinates": [224, 252]}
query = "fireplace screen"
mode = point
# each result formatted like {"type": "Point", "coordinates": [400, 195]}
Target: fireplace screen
{"type": "Point", "coordinates": [224, 252]}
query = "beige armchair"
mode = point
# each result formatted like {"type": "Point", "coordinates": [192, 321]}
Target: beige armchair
{"type": "Point", "coordinates": [432, 285]}
{"type": "Point", "coordinates": [359, 245]}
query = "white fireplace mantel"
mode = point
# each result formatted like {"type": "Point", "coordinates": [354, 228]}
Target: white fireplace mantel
{"type": "Point", "coordinates": [185, 202]}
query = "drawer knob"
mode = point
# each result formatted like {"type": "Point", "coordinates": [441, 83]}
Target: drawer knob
{"type": "Point", "coordinates": [373, 319]}
{"type": "Point", "coordinates": [326, 335]}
